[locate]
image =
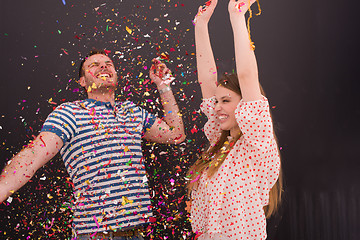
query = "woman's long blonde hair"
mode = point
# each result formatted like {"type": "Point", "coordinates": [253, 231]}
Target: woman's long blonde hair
{"type": "Point", "coordinates": [211, 160]}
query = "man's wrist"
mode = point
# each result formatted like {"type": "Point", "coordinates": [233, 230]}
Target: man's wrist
{"type": "Point", "coordinates": [164, 89]}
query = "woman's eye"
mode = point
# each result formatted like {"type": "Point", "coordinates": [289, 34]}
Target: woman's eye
{"type": "Point", "coordinates": [225, 100]}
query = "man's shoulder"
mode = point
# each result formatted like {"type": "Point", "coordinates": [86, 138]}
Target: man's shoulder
{"type": "Point", "coordinates": [72, 106]}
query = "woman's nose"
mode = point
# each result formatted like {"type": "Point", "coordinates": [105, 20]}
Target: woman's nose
{"type": "Point", "coordinates": [217, 107]}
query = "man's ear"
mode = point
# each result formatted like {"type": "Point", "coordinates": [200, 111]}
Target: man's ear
{"type": "Point", "coordinates": [82, 81]}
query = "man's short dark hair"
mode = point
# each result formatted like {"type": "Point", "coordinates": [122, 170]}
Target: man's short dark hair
{"type": "Point", "coordinates": [92, 52]}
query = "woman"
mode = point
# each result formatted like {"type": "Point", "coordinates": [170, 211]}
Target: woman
{"type": "Point", "coordinates": [230, 184]}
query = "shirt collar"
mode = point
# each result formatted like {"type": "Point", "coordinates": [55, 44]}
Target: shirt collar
{"type": "Point", "coordinates": [98, 103]}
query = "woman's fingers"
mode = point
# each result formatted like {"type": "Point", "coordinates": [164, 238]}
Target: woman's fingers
{"type": "Point", "coordinates": [240, 6]}
{"type": "Point", "coordinates": [205, 11]}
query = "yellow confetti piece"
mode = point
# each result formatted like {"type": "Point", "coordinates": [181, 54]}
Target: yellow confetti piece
{"type": "Point", "coordinates": [50, 100]}
{"type": "Point", "coordinates": [128, 30]}
{"type": "Point", "coordinates": [125, 201]}
{"type": "Point", "coordinates": [140, 74]}
{"type": "Point", "coordinates": [126, 149]}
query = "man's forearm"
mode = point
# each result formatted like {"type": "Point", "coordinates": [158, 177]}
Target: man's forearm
{"type": "Point", "coordinates": [24, 165]}
{"type": "Point", "coordinates": [17, 173]}
{"type": "Point", "coordinates": [172, 115]}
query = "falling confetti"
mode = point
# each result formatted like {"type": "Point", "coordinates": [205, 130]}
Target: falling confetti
{"type": "Point", "coordinates": [133, 38]}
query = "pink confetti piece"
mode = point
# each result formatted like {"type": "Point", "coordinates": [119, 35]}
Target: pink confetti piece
{"type": "Point", "coordinates": [197, 178]}
{"type": "Point", "coordinates": [98, 226]}
{"type": "Point", "coordinates": [52, 222]}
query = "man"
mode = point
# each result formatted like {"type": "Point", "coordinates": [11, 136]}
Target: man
{"type": "Point", "coordinates": [100, 142]}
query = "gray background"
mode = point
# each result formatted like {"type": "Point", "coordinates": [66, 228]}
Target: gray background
{"type": "Point", "coordinates": [307, 54]}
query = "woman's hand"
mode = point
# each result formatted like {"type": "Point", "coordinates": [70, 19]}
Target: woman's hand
{"type": "Point", "coordinates": [159, 73]}
{"type": "Point", "coordinates": [239, 7]}
{"type": "Point", "coordinates": [205, 12]}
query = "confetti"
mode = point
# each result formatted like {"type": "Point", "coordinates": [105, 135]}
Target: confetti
{"type": "Point", "coordinates": [134, 38]}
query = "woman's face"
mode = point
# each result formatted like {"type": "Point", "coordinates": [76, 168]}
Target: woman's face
{"type": "Point", "coordinates": [226, 103]}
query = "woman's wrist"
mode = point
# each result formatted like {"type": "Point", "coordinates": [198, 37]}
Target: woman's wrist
{"type": "Point", "coordinates": [234, 16]}
{"type": "Point", "coordinates": [201, 24]}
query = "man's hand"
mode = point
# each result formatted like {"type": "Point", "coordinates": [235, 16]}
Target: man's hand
{"type": "Point", "coordinates": [160, 74]}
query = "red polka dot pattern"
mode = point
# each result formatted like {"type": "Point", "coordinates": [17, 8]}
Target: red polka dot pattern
{"type": "Point", "coordinates": [231, 202]}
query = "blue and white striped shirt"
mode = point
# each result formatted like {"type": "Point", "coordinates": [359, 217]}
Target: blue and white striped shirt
{"type": "Point", "coordinates": [102, 153]}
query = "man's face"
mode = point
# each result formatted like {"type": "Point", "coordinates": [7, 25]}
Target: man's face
{"type": "Point", "coordinates": [99, 73]}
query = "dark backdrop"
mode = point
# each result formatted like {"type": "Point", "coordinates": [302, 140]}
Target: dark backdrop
{"type": "Point", "coordinates": [307, 54]}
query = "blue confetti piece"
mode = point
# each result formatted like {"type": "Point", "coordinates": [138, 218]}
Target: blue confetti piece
{"type": "Point", "coordinates": [64, 2]}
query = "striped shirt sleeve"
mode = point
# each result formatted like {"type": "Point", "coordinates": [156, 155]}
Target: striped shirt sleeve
{"type": "Point", "coordinates": [61, 122]}
{"type": "Point", "coordinates": [148, 120]}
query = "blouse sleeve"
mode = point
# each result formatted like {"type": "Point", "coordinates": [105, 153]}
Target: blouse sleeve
{"type": "Point", "coordinates": [255, 122]}
{"type": "Point", "coordinates": [212, 128]}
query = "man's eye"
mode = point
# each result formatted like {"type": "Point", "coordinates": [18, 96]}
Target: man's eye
{"type": "Point", "coordinates": [225, 100]}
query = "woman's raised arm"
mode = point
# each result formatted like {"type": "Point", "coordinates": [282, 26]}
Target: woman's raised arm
{"type": "Point", "coordinates": [206, 67]}
{"type": "Point", "coordinates": [246, 66]}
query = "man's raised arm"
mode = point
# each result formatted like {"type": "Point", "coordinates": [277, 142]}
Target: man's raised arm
{"type": "Point", "coordinates": [171, 130]}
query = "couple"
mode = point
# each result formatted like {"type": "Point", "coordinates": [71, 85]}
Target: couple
{"type": "Point", "coordinates": [100, 142]}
